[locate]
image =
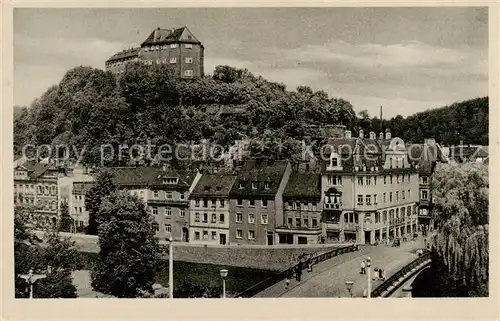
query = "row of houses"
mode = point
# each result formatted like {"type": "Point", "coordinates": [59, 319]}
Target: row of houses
{"type": "Point", "coordinates": [379, 191]}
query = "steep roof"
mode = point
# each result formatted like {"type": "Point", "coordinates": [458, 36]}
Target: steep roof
{"type": "Point", "coordinates": [150, 177]}
{"type": "Point", "coordinates": [169, 35]}
{"type": "Point", "coordinates": [261, 174]}
{"type": "Point", "coordinates": [128, 53]}
{"type": "Point", "coordinates": [214, 185]}
{"type": "Point", "coordinates": [36, 169]}
{"type": "Point", "coordinates": [303, 185]}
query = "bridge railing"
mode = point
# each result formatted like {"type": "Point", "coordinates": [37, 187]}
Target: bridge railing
{"type": "Point", "coordinates": [272, 280]}
{"type": "Point", "coordinates": [377, 292]}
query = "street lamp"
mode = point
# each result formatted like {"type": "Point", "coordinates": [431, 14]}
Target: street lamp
{"type": "Point", "coordinates": [349, 285]}
{"type": "Point", "coordinates": [31, 278]}
{"type": "Point", "coordinates": [223, 274]}
{"type": "Point", "coordinates": [368, 266]}
{"type": "Point", "coordinates": [171, 267]}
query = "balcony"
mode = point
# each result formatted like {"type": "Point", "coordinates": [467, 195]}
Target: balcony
{"type": "Point", "coordinates": [333, 206]}
{"type": "Point", "coordinates": [171, 202]}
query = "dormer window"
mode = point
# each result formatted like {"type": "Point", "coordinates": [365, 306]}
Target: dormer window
{"type": "Point", "coordinates": [334, 161]}
{"type": "Point", "coordinates": [254, 185]}
{"type": "Point", "coordinates": [207, 188]}
{"type": "Point", "coordinates": [170, 180]}
{"type": "Point", "coordinates": [266, 185]}
{"type": "Point", "coordinates": [241, 186]}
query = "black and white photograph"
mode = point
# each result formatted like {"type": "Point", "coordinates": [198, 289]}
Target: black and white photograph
{"type": "Point", "coordinates": [239, 153]}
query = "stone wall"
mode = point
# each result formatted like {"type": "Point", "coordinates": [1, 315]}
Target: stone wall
{"type": "Point", "coordinates": [264, 257]}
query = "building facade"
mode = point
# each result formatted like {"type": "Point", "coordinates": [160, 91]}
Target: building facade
{"type": "Point", "coordinates": [303, 206]}
{"type": "Point", "coordinates": [256, 202]}
{"type": "Point", "coordinates": [176, 48]}
{"type": "Point", "coordinates": [76, 205]}
{"type": "Point", "coordinates": [369, 189]}
{"type": "Point", "coordinates": [209, 209]}
{"type": "Point", "coordinates": [165, 193]}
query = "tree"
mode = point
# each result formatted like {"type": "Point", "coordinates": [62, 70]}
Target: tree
{"type": "Point", "coordinates": [56, 258]}
{"type": "Point", "coordinates": [460, 198]}
{"type": "Point", "coordinates": [104, 186]}
{"type": "Point", "coordinates": [189, 290]}
{"type": "Point", "coordinates": [129, 251]}
{"type": "Point", "coordinates": [65, 221]}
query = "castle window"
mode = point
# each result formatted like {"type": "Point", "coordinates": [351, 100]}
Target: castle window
{"type": "Point", "coordinates": [188, 46]}
{"type": "Point", "coordinates": [173, 45]}
{"type": "Point", "coordinates": [188, 60]}
{"type": "Point", "coordinates": [173, 60]}
{"type": "Point", "coordinates": [188, 73]}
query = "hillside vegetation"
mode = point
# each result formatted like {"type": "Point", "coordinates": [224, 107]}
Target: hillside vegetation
{"type": "Point", "coordinates": [89, 108]}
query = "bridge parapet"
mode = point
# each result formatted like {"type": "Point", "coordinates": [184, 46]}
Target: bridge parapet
{"type": "Point", "coordinates": [397, 279]}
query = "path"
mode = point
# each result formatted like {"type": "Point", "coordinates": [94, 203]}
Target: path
{"type": "Point", "coordinates": [328, 277]}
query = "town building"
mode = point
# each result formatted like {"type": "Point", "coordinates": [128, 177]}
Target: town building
{"type": "Point", "coordinates": [301, 222]}
{"type": "Point", "coordinates": [176, 48]}
{"type": "Point", "coordinates": [36, 185]}
{"type": "Point", "coordinates": [76, 205]}
{"type": "Point", "coordinates": [369, 189]}
{"type": "Point", "coordinates": [426, 156]}
{"type": "Point", "coordinates": [256, 202]}
{"type": "Point", "coordinates": [165, 193]}
{"type": "Point", "coordinates": [209, 209]}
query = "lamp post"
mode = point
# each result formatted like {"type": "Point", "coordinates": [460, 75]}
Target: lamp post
{"type": "Point", "coordinates": [349, 285]}
{"type": "Point", "coordinates": [223, 274]}
{"type": "Point", "coordinates": [171, 267]}
{"type": "Point", "coordinates": [31, 278]}
{"type": "Point", "coordinates": [368, 267]}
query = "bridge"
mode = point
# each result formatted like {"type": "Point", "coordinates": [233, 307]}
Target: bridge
{"type": "Point", "coordinates": [328, 277]}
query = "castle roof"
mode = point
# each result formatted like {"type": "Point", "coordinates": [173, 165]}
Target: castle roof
{"type": "Point", "coordinates": [125, 54]}
{"type": "Point", "coordinates": [169, 35]}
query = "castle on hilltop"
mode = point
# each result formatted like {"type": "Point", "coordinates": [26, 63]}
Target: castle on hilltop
{"type": "Point", "coordinates": [177, 48]}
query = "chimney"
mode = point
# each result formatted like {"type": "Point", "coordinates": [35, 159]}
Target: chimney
{"type": "Point", "coordinates": [381, 136]}
{"type": "Point", "coordinates": [387, 134]}
{"type": "Point", "coordinates": [361, 133]}
{"type": "Point", "coordinates": [372, 135]}
{"type": "Point", "coordinates": [348, 134]}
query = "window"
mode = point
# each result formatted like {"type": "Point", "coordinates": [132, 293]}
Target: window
{"type": "Point", "coordinates": [156, 227]}
{"type": "Point", "coordinates": [335, 161]}
{"type": "Point", "coordinates": [155, 210]}
{"type": "Point", "coordinates": [397, 196]}
{"type": "Point", "coordinates": [251, 218]}
{"type": "Point", "coordinates": [54, 189]}
{"type": "Point", "coordinates": [239, 217]}
{"type": "Point", "coordinates": [360, 199]}
{"type": "Point", "coordinates": [403, 194]}
{"type": "Point", "coordinates": [368, 180]}
{"type": "Point", "coordinates": [334, 180]}
{"type": "Point", "coordinates": [306, 222]}
{"type": "Point", "coordinates": [182, 213]}
{"type": "Point", "coordinates": [290, 221]}
{"type": "Point", "coordinates": [168, 195]}
{"type": "Point", "coordinates": [239, 202]}
{"type": "Point", "coordinates": [80, 209]}
{"type": "Point", "coordinates": [196, 235]}
{"type": "Point", "coordinates": [213, 202]}
{"type": "Point", "coordinates": [205, 235]}
{"type": "Point", "coordinates": [188, 60]}
{"type": "Point", "coordinates": [164, 47]}
{"type": "Point", "coordinates": [264, 203]}
{"type": "Point", "coordinates": [314, 206]}
{"type": "Point", "coordinates": [360, 180]}
{"type": "Point", "coordinates": [173, 60]}
{"type": "Point", "coordinates": [390, 197]}
{"type": "Point", "coordinates": [197, 202]}
{"type": "Point", "coordinates": [182, 196]}
{"type": "Point", "coordinates": [239, 234]}
{"type": "Point", "coordinates": [168, 228]}
{"type": "Point", "coordinates": [294, 205]}
{"type": "Point", "coordinates": [314, 222]}
{"type": "Point", "coordinates": [409, 195]}
{"type": "Point", "coordinates": [390, 179]}
{"type": "Point", "coordinates": [222, 218]}
{"type": "Point", "coordinates": [188, 46]}
{"type": "Point", "coordinates": [214, 235]}
{"type": "Point", "coordinates": [263, 219]}
{"type": "Point", "coordinates": [251, 234]}
{"type": "Point", "coordinates": [155, 194]}
{"type": "Point", "coordinates": [266, 185]}
{"type": "Point", "coordinates": [424, 195]}
{"type": "Point", "coordinates": [368, 200]}
{"type": "Point", "coordinates": [222, 203]}
{"type": "Point", "coordinates": [385, 216]}
{"type": "Point", "coordinates": [205, 203]}
{"type": "Point", "coordinates": [254, 185]}
{"type": "Point", "coordinates": [173, 45]}
{"type": "Point", "coordinates": [205, 218]}
{"type": "Point", "coordinates": [214, 218]}
{"type": "Point", "coordinates": [251, 202]}
{"type": "Point", "coordinates": [424, 180]}
{"type": "Point", "coordinates": [375, 200]}
{"type": "Point", "coordinates": [188, 73]}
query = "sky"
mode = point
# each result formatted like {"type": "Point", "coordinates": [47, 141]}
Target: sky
{"type": "Point", "coordinates": [404, 59]}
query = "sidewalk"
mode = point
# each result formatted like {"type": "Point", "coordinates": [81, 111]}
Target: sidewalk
{"type": "Point", "coordinates": [328, 277]}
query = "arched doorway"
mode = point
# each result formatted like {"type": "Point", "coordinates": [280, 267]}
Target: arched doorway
{"type": "Point", "coordinates": [185, 234]}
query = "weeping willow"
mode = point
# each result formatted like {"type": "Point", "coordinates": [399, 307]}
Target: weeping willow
{"type": "Point", "coordinates": [461, 210]}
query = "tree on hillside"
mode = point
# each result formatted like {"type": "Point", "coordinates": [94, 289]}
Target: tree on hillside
{"type": "Point", "coordinates": [65, 220]}
{"type": "Point", "coordinates": [56, 259]}
{"type": "Point", "coordinates": [104, 187]}
{"type": "Point", "coordinates": [128, 256]}
{"type": "Point", "coordinates": [460, 198]}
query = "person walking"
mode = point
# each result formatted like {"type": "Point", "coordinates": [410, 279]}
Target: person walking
{"type": "Point", "coordinates": [363, 267]}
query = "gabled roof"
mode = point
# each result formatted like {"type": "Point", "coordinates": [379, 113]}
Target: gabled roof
{"type": "Point", "coordinates": [303, 185]}
{"type": "Point", "coordinates": [168, 35]}
{"type": "Point", "coordinates": [128, 53]}
{"type": "Point", "coordinates": [36, 169]}
{"type": "Point", "coordinates": [214, 185]}
{"type": "Point", "coordinates": [150, 177]}
{"type": "Point", "coordinates": [261, 173]}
